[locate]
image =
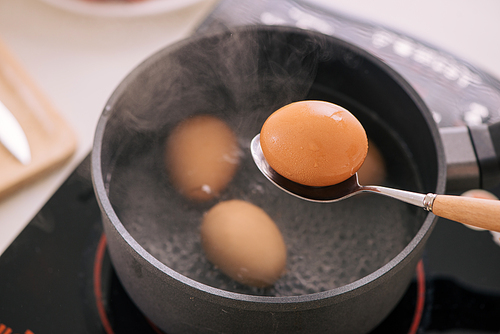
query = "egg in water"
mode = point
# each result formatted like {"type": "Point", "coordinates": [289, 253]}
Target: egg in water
{"type": "Point", "coordinates": [373, 170]}
{"type": "Point", "coordinates": [314, 143]}
{"type": "Point", "coordinates": [241, 240]}
{"type": "Point", "coordinates": [202, 156]}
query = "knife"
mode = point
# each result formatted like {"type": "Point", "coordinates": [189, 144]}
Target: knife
{"type": "Point", "coordinates": [13, 137]}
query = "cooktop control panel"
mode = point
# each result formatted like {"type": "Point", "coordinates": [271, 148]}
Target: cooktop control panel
{"type": "Point", "coordinates": [456, 92]}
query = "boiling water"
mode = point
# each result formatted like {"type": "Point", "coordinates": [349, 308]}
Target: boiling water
{"type": "Point", "coordinates": [329, 245]}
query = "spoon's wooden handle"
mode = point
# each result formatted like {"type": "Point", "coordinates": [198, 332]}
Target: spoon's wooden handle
{"type": "Point", "coordinates": [483, 213]}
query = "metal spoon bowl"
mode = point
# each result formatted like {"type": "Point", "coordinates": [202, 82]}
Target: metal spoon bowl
{"type": "Point", "coordinates": [481, 213]}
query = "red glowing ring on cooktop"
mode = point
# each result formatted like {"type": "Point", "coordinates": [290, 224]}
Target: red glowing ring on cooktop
{"type": "Point", "coordinates": [98, 261]}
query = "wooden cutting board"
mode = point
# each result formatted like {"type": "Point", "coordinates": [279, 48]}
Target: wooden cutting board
{"type": "Point", "coordinates": [51, 140]}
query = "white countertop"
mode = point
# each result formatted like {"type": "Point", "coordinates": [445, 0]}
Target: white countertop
{"type": "Point", "coordinates": [77, 60]}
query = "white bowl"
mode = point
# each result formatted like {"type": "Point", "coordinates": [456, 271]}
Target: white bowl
{"type": "Point", "coordinates": [121, 8]}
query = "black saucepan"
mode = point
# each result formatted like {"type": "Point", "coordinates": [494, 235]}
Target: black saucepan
{"type": "Point", "coordinates": [349, 263]}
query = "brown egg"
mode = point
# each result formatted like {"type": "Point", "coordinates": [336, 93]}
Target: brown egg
{"type": "Point", "coordinates": [373, 171]}
{"type": "Point", "coordinates": [244, 243]}
{"type": "Point", "coordinates": [201, 156]}
{"type": "Point", "coordinates": [314, 143]}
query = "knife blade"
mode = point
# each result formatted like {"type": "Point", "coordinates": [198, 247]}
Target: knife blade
{"type": "Point", "coordinates": [13, 137]}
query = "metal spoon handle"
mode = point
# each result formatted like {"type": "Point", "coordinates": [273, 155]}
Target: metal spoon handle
{"type": "Point", "coordinates": [402, 195]}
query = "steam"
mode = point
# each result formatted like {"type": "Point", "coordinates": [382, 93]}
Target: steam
{"type": "Point", "coordinates": [241, 76]}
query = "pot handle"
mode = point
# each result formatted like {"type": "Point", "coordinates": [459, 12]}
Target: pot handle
{"type": "Point", "coordinates": [486, 143]}
{"type": "Point", "coordinates": [472, 156]}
